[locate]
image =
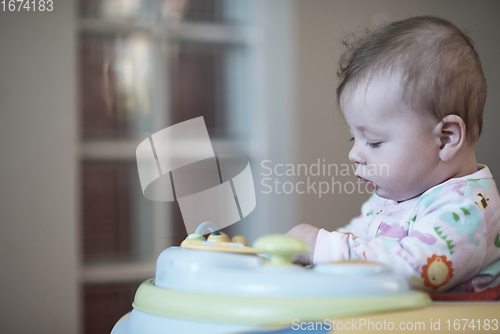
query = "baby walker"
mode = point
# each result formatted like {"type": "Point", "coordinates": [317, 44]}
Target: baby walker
{"type": "Point", "coordinates": [219, 286]}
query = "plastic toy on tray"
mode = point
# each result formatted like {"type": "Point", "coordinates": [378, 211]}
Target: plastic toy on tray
{"type": "Point", "coordinates": [218, 286]}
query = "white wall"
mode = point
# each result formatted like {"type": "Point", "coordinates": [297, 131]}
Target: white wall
{"type": "Point", "coordinates": [38, 234]}
{"type": "Point", "coordinates": [322, 24]}
{"type": "Point", "coordinates": [277, 111]}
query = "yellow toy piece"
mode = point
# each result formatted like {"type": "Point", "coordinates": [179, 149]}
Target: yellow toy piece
{"type": "Point", "coordinates": [240, 239]}
{"type": "Point", "coordinates": [219, 242]}
{"type": "Point", "coordinates": [218, 237]}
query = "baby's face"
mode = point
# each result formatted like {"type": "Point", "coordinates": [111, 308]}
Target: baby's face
{"type": "Point", "coordinates": [394, 150]}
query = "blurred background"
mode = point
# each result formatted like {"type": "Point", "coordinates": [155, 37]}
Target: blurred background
{"type": "Point", "coordinates": [82, 85]}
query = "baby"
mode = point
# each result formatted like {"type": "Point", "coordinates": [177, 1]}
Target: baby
{"type": "Point", "coordinates": [412, 95]}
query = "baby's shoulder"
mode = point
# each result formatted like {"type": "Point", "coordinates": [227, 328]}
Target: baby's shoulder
{"type": "Point", "coordinates": [478, 191]}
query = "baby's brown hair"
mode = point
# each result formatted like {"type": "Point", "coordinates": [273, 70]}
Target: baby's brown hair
{"type": "Point", "coordinates": [438, 65]}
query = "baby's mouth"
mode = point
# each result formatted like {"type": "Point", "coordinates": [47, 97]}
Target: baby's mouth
{"type": "Point", "coordinates": [369, 184]}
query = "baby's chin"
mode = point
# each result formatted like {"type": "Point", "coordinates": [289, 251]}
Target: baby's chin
{"type": "Point", "coordinates": [393, 196]}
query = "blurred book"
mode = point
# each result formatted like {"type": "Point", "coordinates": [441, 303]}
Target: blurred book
{"type": "Point", "coordinates": [106, 210]}
{"type": "Point", "coordinates": [104, 304]}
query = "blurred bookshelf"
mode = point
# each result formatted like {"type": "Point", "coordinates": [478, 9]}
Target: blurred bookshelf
{"type": "Point", "coordinates": [144, 65]}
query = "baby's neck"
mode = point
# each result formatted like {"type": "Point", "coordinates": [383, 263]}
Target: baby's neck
{"type": "Point", "coordinates": [464, 164]}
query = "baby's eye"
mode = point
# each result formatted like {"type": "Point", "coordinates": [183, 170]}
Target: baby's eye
{"type": "Point", "coordinates": [374, 145]}
{"type": "Point", "coordinates": [352, 139]}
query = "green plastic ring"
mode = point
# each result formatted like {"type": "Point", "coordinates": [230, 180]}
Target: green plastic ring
{"type": "Point", "coordinates": [152, 299]}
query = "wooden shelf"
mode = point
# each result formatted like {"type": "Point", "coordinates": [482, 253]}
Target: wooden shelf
{"type": "Point", "coordinates": [188, 32]}
{"type": "Point", "coordinates": [109, 149]}
{"type": "Point", "coordinates": [124, 149]}
{"type": "Point", "coordinates": [112, 272]}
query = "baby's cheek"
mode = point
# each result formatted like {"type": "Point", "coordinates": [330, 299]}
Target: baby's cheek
{"type": "Point", "coordinates": [395, 182]}
{"type": "Point", "coordinates": [408, 172]}
{"type": "Point", "coordinates": [393, 176]}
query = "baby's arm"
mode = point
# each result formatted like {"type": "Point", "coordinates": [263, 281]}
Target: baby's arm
{"type": "Point", "coordinates": [308, 234]}
{"type": "Point", "coordinates": [358, 226]}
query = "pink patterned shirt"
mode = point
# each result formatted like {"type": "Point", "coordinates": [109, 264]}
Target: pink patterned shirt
{"type": "Point", "coordinates": [445, 239]}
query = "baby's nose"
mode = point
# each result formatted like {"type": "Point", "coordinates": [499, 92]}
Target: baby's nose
{"type": "Point", "coordinates": [356, 156]}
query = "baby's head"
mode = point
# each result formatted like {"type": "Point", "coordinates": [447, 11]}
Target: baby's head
{"type": "Point", "coordinates": [412, 94]}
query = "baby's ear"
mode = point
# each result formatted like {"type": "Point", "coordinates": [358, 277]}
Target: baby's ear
{"type": "Point", "coordinates": [451, 133]}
